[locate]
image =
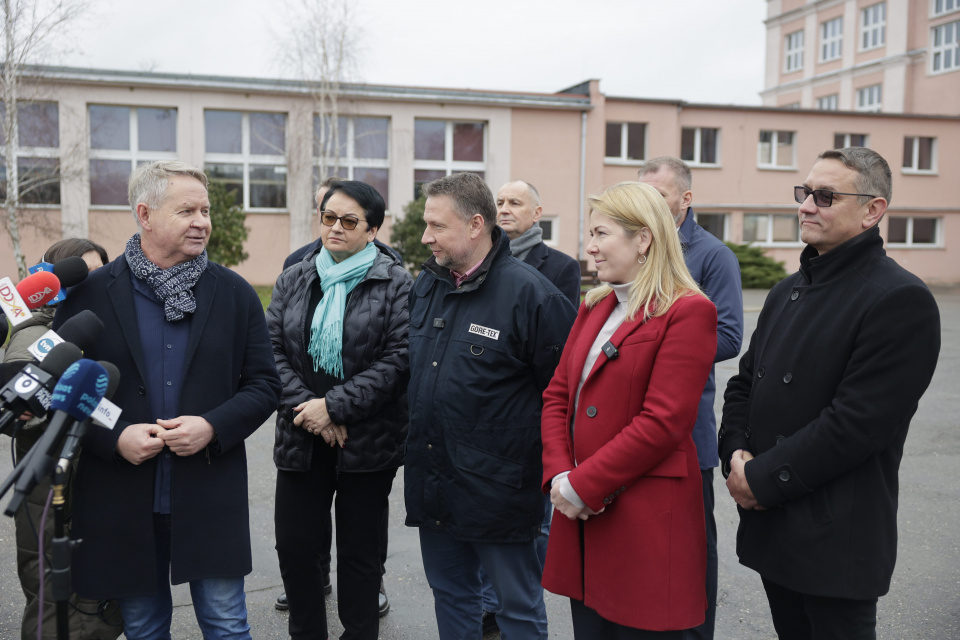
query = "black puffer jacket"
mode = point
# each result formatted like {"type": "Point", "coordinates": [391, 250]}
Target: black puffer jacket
{"type": "Point", "coordinates": [372, 400]}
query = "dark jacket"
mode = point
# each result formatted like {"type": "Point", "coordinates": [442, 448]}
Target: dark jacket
{"type": "Point", "coordinates": [843, 351]}
{"type": "Point", "coordinates": [230, 380]}
{"type": "Point", "coordinates": [481, 356]}
{"type": "Point", "coordinates": [559, 268]}
{"type": "Point", "coordinates": [372, 400]}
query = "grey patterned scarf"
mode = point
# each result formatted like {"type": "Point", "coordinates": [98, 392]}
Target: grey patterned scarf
{"type": "Point", "coordinates": [173, 286]}
{"type": "Point", "coordinates": [522, 244]}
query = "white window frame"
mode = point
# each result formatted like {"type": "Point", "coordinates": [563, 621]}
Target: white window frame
{"type": "Point", "coordinates": [36, 152]}
{"type": "Point", "coordinates": [769, 241]}
{"type": "Point", "coordinates": [943, 7]}
{"type": "Point", "coordinates": [870, 98]}
{"type": "Point", "coordinates": [910, 244]}
{"type": "Point", "coordinates": [846, 139]}
{"type": "Point", "coordinates": [775, 144]}
{"type": "Point", "coordinates": [448, 164]}
{"type": "Point", "coordinates": [554, 225]}
{"type": "Point", "coordinates": [793, 52]}
{"type": "Point", "coordinates": [246, 159]}
{"type": "Point", "coordinates": [829, 102]}
{"type": "Point", "coordinates": [873, 22]}
{"type": "Point", "coordinates": [831, 39]}
{"type": "Point", "coordinates": [916, 157]}
{"type": "Point", "coordinates": [938, 52]}
{"type": "Point", "coordinates": [349, 161]}
{"type": "Point", "coordinates": [726, 222]}
{"type": "Point", "coordinates": [697, 138]}
{"type": "Point", "coordinates": [624, 139]}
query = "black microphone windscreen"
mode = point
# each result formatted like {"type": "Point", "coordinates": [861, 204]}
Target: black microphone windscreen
{"type": "Point", "coordinates": [8, 370]}
{"type": "Point", "coordinates": [60, 358]}
{"type": "Point", "coordinates": [82, 329]}
{"type": "Point", "coordinates": [114, 374]}
{"type": "Point", "coordinates": [71, 271]}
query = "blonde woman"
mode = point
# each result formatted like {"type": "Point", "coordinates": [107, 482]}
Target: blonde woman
{"type": "Point", "coordinates": [619, 460]}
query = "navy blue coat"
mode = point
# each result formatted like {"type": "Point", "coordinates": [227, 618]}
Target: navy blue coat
{"type": "Point", "coordinates": [230, 380]}
{"type": "Point", "coordinates": [481, 356]}
{"type": "Point", "coordinates": [559, 268]}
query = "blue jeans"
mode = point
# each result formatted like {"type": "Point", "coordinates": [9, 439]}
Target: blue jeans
{"type": "Point", "coordinates": [219, 603]}
{"type": "Point", "coordinates": [453, 568]}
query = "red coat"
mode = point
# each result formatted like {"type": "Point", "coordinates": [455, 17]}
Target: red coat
{"type": "Point", "coordinates": [644, 558]}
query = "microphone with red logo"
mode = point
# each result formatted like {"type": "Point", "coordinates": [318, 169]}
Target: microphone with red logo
{"type": "Point", "coordinates": [32, 292]}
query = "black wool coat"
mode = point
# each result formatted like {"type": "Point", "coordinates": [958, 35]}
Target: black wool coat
{"type": "Point", "coordinates": [842, 353]}
{"type": "Point", "coordinates": [559, 268]}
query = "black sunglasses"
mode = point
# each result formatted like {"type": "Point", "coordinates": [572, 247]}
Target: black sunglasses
{"type": "Point", "coordinates": [348, 222]}
{"type": "Point", "coordinates": [821, 197]}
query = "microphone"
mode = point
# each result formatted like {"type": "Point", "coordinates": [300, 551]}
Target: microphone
{"type": "Point", "coordinates": [70, 271]}
{"type": "Point", "coordinates": [30, 388]}
{"type": "Point", "coordinates": [75, 397]}
{"type": "Point", "coordinates": [38, 289]}
{"type": "Point", "coordinates": [13, 305]}
{"type": "Point", "coordinates": [81, 329]}
{"type": "Point", "coordinates": [72, 442]}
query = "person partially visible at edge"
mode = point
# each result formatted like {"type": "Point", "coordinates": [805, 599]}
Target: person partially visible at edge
{"type": "Point", "coordinates": [162, 497]}
{"type": "Point", "coordinates": [88, 619]}
{"type": "Point", "coordinates": [619, 461]}
{"type": "Point", "coordinates": [338, 323]}
{"type": "Point", "coordinates": [716, 271]}
{"type": "Point", "coordinates": [815, 421]}
{"type": "Point", "coordinates": [486, 331]}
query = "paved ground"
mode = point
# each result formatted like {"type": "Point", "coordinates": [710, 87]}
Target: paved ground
{"type": "Point", "coordinates": [924, 600]}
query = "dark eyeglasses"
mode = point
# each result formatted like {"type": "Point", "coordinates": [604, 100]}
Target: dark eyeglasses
{"type": "Point", "coordinates": [348, 222]}
{"type": "Point", "coordinates": [821, 197]}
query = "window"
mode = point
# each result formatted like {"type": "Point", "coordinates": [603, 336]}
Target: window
{"type": "Point", "coordinates": [841, 140]}
{"type": "Point", "coordinates": [442, 147]}
{"type": "Point", "coordinates": [700, 146]}
{"type": "Point", "coordinates": [946, 47]}
{"type": "Point", "coordinates": [715, 223]}
{"type": "Point", "coordinates": [793, 58]}
{"type": "Point", "coordinates": [626, 142]}
{"type": "Point", "coordinates": [361, 151]}
{"type": "Point", "coordinates": [776, 150]}
{"type": "Point", "coordinates": [121, 138]}
{"type": "Point", "coordinates": [247, 153]}
{"type": "Point", "coordinates": [828, 103]}
{"type": "Point", "coordinates": [913, 232]}
{"type": "Point", "coordinates": [869, 98]}
{"type": "Point", "coordinates": [873, 26]}
{"type": "Point", "coordinates": [38, 153]}
{"type": "Point", "coordinates": [765, 228]}
{"type": "Point", "coordinates": [919, 155]}
{"type": "Point", "coordinates": [831, 39]}
{"type": "Point", "coordinates": [941, 7]}
{"type": "Point", "coordinates": [792, 105]}
{"type": "Point", "coordinates": [549, 228]}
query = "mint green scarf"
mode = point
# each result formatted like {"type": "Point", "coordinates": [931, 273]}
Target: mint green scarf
{"type": "Point", "coordinates": [337, 281]}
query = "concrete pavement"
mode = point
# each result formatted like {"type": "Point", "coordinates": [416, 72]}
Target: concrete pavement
{"type": "Point", "coordinates": [924, 600]}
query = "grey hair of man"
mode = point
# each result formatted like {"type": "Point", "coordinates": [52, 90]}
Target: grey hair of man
{"type": "Point", "coordinates": [468, 194]}
{"type": "Point", "coordinates": [533, 192]}
{"type": "Point", "coordinates": [681, 172]}
{"type": "Point", "coordinates": [148, 183]}
{"type": "Point", "coordinates": [873, 173]}
{"type": "Point", "coordinates": [326, 184]}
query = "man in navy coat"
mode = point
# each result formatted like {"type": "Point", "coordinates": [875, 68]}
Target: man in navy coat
{"type": "Point", "coordinates": [162, 497]}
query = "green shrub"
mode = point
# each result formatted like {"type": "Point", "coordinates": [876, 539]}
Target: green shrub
{"type": "Point", "coordinates": [757, 271]}
{"type": "Point", "coordinates": [405, 235]}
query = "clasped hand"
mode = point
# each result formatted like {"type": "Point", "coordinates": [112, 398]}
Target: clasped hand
{"type": "Point", "coordinates": [569, 509]}
{"type": "Point", "coordinates": [184, 435]}
{"type": "Point", "coordinates": [312, 415]}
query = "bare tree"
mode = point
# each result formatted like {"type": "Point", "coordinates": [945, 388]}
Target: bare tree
{"type": "Point", "coordinates": [29, 27]}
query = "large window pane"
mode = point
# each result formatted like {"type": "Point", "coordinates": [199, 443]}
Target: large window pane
{"type": "Point", "coordinates": [428, 139]}
{"type": "Point", "coordinates": [230, 175]}
{"type": "Point", "coordinates": [712, 222]}
{"type": "Point", "coordinates": [468, 142]}
{"type": "Point", "coordinates": [323, 145]}
{"type": "Point", "coordinates": [754, 228]}
{"type": "Point", "coordinates": [268, 186]}
{"type": "Point", "coordinates": [708, 146]}
{"type": "Point", "coordinates": [109, 128]}
{"type": "Point", "coordinates": [925, 154]}
{"type": "Point", "coordinates": [613, 139]}
{"type": "Point", "coordinates": [267, 135]}
{"type": "Point", "coordinates": [422, 176]}
{"type": "Point", "coordinates": [379, 179]}
{"type": "Point", "coordinates": [108, 181]}
{"type": "Point", "coordinates": [39, 180]}
{"type": "Point", "coordinates": [784, 148]}
{"type": "Point", "coordinates": [157, 129]}
{"type": "Point", "coordinates": [636, 132]}
{"type": "Point", "coordinates": [924, 230]}
{"type": "Point", "coordinates": [39, 125]}
{"type": "Point", "coordinates": [370, 137]}
{"type": "Point", "coordinates": [785, 228]}
{"type": "Point", "coordinates": [688, 138]}
{"type": "Point", "coordinates": [223, 131]}
{"type": "Point", "coordinates": [766, 148]}
{"type": "Point", "coordinates": [897, 230]}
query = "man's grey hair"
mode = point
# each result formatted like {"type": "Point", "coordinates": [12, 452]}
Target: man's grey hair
{"type": "Point", "coordinates": [326, 184]}
{"type": "Point", "coordinates": [873, 173]}
{"type": "Point", "coordinates": [148, 183]}
{"type": "Point", "coordinates": [469, 195]}
{"type": "Point", "coordinates": [532, 189]}
{"type": "Point", "coordinates": [681, 172]}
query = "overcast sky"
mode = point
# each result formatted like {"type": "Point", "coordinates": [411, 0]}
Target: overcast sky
{"type": "Point", "coordinates": [695, 50]}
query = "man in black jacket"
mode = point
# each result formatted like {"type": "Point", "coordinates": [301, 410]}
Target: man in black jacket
{"type": "Point", "coordinates": [815, 421]}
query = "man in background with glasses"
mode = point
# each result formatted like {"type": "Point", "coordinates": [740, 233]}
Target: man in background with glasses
{"type": "Point", "coordinates": [815, 421]}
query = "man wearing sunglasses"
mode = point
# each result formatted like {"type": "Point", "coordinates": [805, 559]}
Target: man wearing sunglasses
{"type": "Point", "coordinates": [814, 423]}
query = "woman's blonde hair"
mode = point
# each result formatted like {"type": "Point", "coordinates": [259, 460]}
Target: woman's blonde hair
{"type": "Point", "coordinates": [664, 277]}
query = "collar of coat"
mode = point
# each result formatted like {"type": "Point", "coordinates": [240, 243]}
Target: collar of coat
{"type": "Point", "coordinates": [847, 255]}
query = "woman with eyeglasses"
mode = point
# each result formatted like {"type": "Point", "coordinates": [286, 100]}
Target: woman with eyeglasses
{"type": "Point", "coordinates": [338, 322]}
{"type": "Point", "coordinates": [628, 546]}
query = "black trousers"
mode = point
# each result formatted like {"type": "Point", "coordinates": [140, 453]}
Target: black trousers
{"type": "Point", "coordinates": [798, 616]}
{"type": "Point", "coordinates": [326, 541]}
{"type": "Point", "coordinates": [590, 625]}
{"type": "Point", "coordinates": [303, 500]}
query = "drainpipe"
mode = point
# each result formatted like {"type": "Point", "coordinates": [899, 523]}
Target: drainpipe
{"type": "Point", "coordinates": [583, 182]}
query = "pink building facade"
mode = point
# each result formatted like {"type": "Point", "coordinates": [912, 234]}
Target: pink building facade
{"type": "Point", "coordinates": [258, 137]}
